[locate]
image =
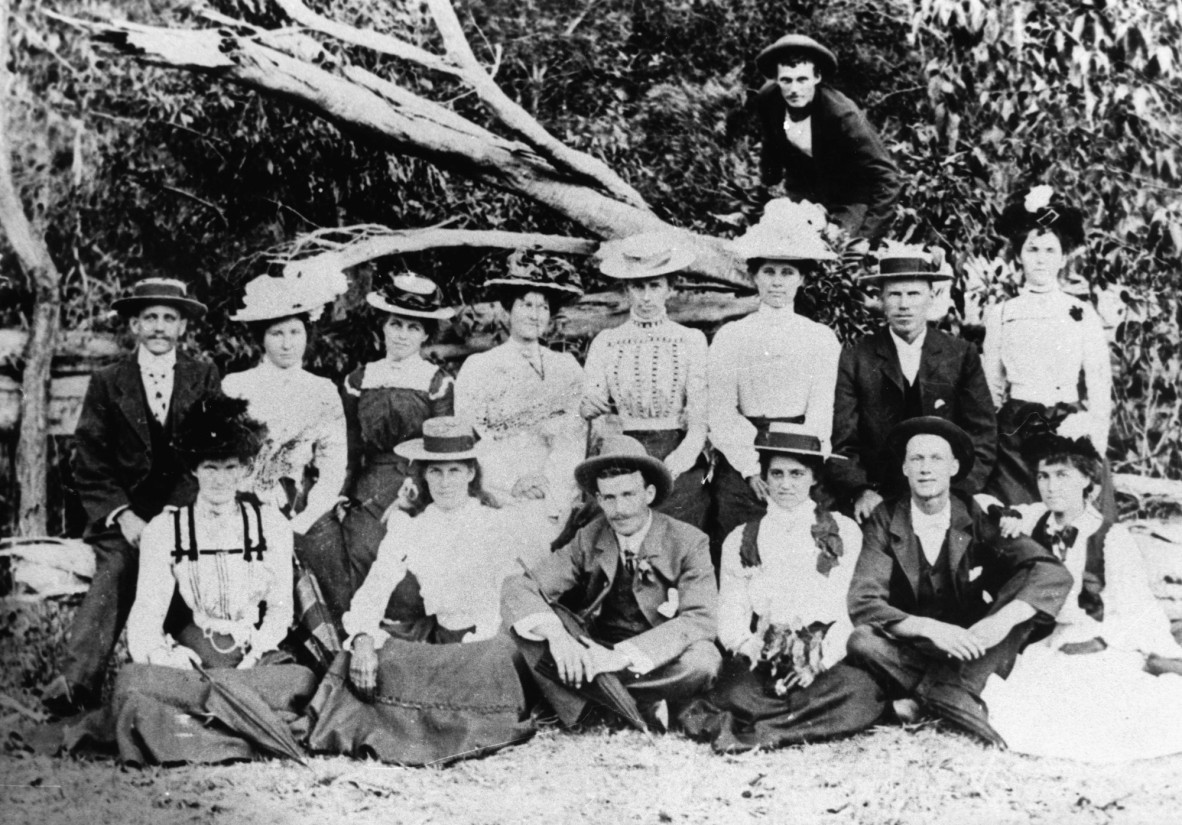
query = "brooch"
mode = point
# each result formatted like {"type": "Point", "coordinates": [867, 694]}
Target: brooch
{"type": "Point", "coordinates": [1076, 313]}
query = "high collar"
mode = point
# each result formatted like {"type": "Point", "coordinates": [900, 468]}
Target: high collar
{"type": "Point", "coordinates": [783, 315]}
{"type": "Point", "coordinates": [653, 324]}
{"type": "Point", "coordinates": [899, 343]}
{"type": "Point", "coordinates": [802, 512]}
{"type": "Point", "coordinates": [156, 363]}
{"type": "Point", "coordinates": [267, 371]}
{"type": "Point", "coordinates": [1053, 289]}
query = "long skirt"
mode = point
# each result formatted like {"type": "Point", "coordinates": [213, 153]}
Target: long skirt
{"type": "Point", "coordinates": [376, 488]}
{"type": "Point", "coordinates": [435, 704]}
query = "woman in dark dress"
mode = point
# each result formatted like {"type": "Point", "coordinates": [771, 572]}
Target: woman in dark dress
{"type": "Point", "coordinates": [386, 403]}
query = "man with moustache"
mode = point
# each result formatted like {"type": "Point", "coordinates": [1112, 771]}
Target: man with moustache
{"type": "Point", "coordinates": [126, 472]}
{"type": "Point", "coordinates": [640, 582]}
{"type": "Point", "coordinates": [818, 143]}
{"type": "Point", "coordinates": [904, 370]}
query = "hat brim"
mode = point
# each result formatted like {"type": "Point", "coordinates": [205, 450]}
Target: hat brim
{"type": "Point", "coordinates": [415, 451]}
{"type": "Point", "coordinates": [378, 302]}
{"type": "Point", "coordinates": [133, 306]}
{"type": "Point", "coordinates": [958, 440]}
{"type": "Point", "coordinates": [497, 285]}
{"type": "Point", "coordinates": [797, 451]}
{"type": "Point", "coordinates": [753, 251]}
{"type": "Point", "coordinates": [1015, 220]}
{"type": "Point", "coordinates": [769, 59]}
{"type": "Point", "coordinates": [247, 316]}
{"type": "Point", "coordinates": [934, 277]}
{"type": "Point", "coordinates": [653, 469]}
{"type": "Point", "coordinates": [619, 268]}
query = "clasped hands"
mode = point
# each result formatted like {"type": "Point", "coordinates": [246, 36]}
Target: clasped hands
{"type": "Point", "coordinates": [967, 643]}
{"type": "Point", "coordinates": [580, 660]}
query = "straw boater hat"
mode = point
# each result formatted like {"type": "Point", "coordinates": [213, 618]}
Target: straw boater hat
{"type": "Point", "coordinates": [527, 273]}
{"type": "Point", "coordinates": [784, 438]}
{"type": "Point", "coordinates": [646, 255]}
{"type": "Point", "coordinates": [219, 427]}
{"type": "Point", "coordinates": [295, 293]}
{"type": "Point", "coordinates": [788, 231]}
{"type": "Point", "coordinates": [446, 438]}
{"type": "Point", "coordinates": [1040, 207]}
{"type": "Point", "coordinates": [958, 439]}
{"type": "Point", "coordinates": [621, 451]}
{"type": "Point", "coordinates": [412, 296]}
{"type": "Point", "coordinates": [794, 46]}
{"type": "Point", "coordinates": [909, 262]}
{"type": "Point", "coordinates": [159, 292]}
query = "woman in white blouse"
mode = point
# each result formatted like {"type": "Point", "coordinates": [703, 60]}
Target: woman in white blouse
{"type": "Point", "coordinates": [1046, 356]}
{"type": "Point", "coordinates": [788, 571]}
{"type": "Point", "coordinates": [227, 556]}
{"type": "Point", "coordinates": [300, 469]}
{"type": "Point", "coordinates": [1106, 684]}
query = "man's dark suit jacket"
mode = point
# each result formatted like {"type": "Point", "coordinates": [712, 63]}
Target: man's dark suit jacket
{"type": "Point", "coordinates": [885, 584]}
{"type": "Point", "coordinates": [869, 401]}
{"type": "Point", "coordinates": [113, 447]}
{"type": "Point", "coordinates": [850, 164]}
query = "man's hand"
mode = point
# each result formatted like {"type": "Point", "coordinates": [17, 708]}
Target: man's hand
{"type": "Point", "coordinates": [569, 655]}
{"type": "Point", "coordinates": [591, 407]}
{"type": "Point", "coordinates": [758, 486]}
{"type": "Point", "coordinates": [132, 527]}
{"type": "Point", "coordinates": [532, 485]}
{"type": "Point", "coordinates": [363, 666]}
{"type": "Point", "coordinates": [865, 505]}
{"type": "Point", "coordinates": [991, 630]}
{"type": "Point", "coordinates": [957, 642]}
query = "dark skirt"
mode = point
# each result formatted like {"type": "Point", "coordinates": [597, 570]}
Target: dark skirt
{"type": "Point", "coordinates": [321, 551]}
{"type": "Point", "coordinates": [376, 489]}
{"type": "Point", "coordinates": [435, 704]}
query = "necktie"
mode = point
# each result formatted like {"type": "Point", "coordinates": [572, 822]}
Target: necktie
{"type": "Point", "coordinates": [628, 555]}
{"type": "Point", "coordinates": [157, 400]}
{"type": "Point", "coordinates": [1063, 541]}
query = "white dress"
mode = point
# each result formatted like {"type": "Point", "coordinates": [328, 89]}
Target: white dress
{"type": "Point", "coordinates": [1095, 707]}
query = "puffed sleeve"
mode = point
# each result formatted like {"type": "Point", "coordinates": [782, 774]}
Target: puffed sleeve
{"type": "Point", "coordinates": [471, 400]}
{"type": "Point", "coordinates": [278, 558]}
{"type": "Point", "coordinates": [1133, 618]}
{"type": "Point", "coordinates": [565, 431]}
{"type": "Point", "coordinates": [1097, 370]}
{"type": "Point", "coordinates": [731, 433]}
{"type": "Point", "coordinates": [330, 455]}
{"type": "Point", "coordinates": [696, 393]}
{"type": "Point", "coordinates": [595, 383]}
{"type": "Point", "coordinates": [368, 607]}
{"type": "Point", "coordinates": [819, 413]}
{"type": "Point", "coordinates": [734, 600]}
{"type": "Point", "coordinates": [995, 373]}
{"type": "Point", "coordinates": [442, 394]}
{"type": "Point", "coordinates": [155, 585]}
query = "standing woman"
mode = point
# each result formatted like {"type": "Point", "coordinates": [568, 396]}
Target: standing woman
{"type": "Point", "coordinates": [523, 398]}
{"type": "Point", "coordinates": [1045, 356]}
{"type": "Point", "coordinates": [652, 371]}
{"type": "Point", "coordinates": [300, 469]}
{"type": "Point", "coordinates": [386, 403]}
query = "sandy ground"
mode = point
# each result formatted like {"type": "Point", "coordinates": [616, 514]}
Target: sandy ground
{"type": "Point", "coordinates": [890, 775]}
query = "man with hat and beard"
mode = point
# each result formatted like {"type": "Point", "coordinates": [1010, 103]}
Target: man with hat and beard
{"type": "Point", "coordinates": [904, 370]}
{"type": "Point", "coordinates": [640, 581]}
{"type": "Point", "coordinates": [818, 143]}
{"type": "Point", "coordinates": [126, 471]}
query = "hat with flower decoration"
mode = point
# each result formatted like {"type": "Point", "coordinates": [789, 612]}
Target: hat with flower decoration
{"type": "Point", "coordinates": [412, 296]}
{"type": "Point", "coordinates": [219, 427]}
{"type": "Point", "coordinates": [530, 272]}
{"type": "Point", "coordinates": [788, 231]}
{"type": "Point", "coordinates": [899, 261]}
{"type": "Point", "coordinates": [645, 255]}
{"type": "Point", "coordinates": [1041, 207]}
{"type": "Point", "coordinates": [296, 292]}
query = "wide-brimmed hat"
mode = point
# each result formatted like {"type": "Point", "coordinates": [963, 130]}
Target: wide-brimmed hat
{"type": "Point", "coordinates": [1041, 207]}
{"type": "Point", "coordinates": [446, 438]}
{"type": "Point", "coordinates": [788, 231]}
{"type": "Point", "coordinates": [156, 292]}
{"type": "Point", "coordinates": [624, 452]}
{"type": "Point", "coordinates": [958, 439]}
{"type": "Point", "coordinates": [897, 261]}
{"type": "Point", "coordinates": [269, 297]}
{"type": "Point", "coordinates": [529, 272]}
{"type": "Point", "coordinates": [785, 438]}
{"type": "Point", "coordinates": [1038, 447]}
{"type": "Point", "coordinates": [410, 295]}
{"type": "Point", "coordinates": [645, 255]}
{"type": "Point", "coordinates": [794, 45]}
{"type": "Point", "coordinates": [218, 426]}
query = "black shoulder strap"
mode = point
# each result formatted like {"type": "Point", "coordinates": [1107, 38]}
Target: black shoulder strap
{"type": "Point", "coordinates": [749, 546]}
{"type": "Point", "coordinates": [179, 551]}
{"type": "Point", "coordinates": [1039, 533]}
{"type": "Point", "coordinates": [252, 550]}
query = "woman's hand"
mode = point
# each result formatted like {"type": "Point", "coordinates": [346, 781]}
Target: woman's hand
{"type": "Point", "coordinates": [363, 666]}
{"type": "Point", "coordinates": [1010, 526]}
{"type": "Point", "coordinates": [248, 661]}
{"type": "Point", "coordinates": [758, 487]}
{"type": "Point", "coordinates": [592, 407]}
{"type": "Point", "coordinates": [680, 461]}
{"type": "Point", "coordinates": [531, 485]}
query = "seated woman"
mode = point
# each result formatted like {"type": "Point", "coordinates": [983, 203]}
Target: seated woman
{"type": "Point", "coordinates": [230, 561]}
{"type": "Point", "coordinates": [436, 580]}
{"type": "Point", "coordinates": [1090, 690]}
{"type": "Point", "coordinates": [782, 599]}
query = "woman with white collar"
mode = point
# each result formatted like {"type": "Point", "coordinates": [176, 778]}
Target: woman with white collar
{"type": "Point", "coordinates": [386, 402]}
{"type": "Point", "coordinates": [1042, 346]}
{"type": "Point", "coordinates": [786, 572]}
{"type": "Point", "coordinates": [300, 468]}
{"type": "Point", "coordinates": [1106, 684]}
{"type": "Point", "coordinates": [523, 399]}
{"type": "Point", "coordinates": [651, 371]}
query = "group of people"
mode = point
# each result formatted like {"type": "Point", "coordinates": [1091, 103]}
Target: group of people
{"type": "Point", "coordinates": [762, 540]}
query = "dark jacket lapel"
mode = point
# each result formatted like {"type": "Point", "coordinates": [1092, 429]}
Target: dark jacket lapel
{"type": "Point", "coordinates": [888, 357]}
{"type": "Point", "coordinates": [960, 535]}
{"type": "Point", "coordinates": [186, 387]}
{"type": "Point", "coordinates": [131, 397]}
{"type": "Point", "coordinates": [905, 543]}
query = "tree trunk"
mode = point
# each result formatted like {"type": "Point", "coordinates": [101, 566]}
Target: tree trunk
{"type": "Point", "coordinates": [32, 446]}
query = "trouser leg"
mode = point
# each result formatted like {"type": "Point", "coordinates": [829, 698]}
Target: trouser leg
{"type": "Point", "coordinates": [103, 612]}
{"type": "Point", "coordinates": [690, 673]}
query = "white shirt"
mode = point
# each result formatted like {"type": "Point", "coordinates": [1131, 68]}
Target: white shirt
{"type": "Point", "coordinates": [630, 545]}
{"type": "Point", "coordinates": [909, 354]}
{"type": "Point", "coordinates": [931, 530]}
{"type": "Point", "coordinates": [772, 364]}
{"type": "Point", "coordinates": [157, 372]}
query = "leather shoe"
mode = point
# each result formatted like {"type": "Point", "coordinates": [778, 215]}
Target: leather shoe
{"type": "Point", "coordinates": [961, 709]}
{"type": "Point", "coordinates": [62, 698]}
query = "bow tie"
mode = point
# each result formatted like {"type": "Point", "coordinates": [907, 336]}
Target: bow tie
{"type": "Point", "coordinates": [1063, 541]}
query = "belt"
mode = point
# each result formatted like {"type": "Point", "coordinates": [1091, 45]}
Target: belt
{"type": "Point", "coordinates": [762, 422]}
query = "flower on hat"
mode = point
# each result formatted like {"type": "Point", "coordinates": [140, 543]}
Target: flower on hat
{"type": "Point", "coordinates": [304, 287]}
{"type": "Point", "coordinates": [788, 229]}
{"type": "Point", "coordinates": [1039, 197]}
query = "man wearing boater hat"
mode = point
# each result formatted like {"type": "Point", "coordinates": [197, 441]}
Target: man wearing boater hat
{"type": "Point", "coordinates": [904, 370]}
{"type": "Point", "coordinates": [818, 143]}
{"type": "Point", "coordinates": [640, 581]}
{"type": "Point", "coordinates": [126, 471]}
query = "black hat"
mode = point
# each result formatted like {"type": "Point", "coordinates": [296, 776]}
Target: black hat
{"type": "Point", "coordinates": [219, 427]}
{"type": "Point", "coordinates": [159, 292]}
{"type": "Point", "coordinates": [1044, 444]}
{"type": "Point", "coordinates": [793, 45]}
{"type": "Point", "coordinates": [1041, 207]}
{"type": "Point", "coordinates": [628, 453]}
{"type": "Point", "coordinates": [412, 296]}
{"type": "Point", "coordinates": [527, 272]}
{"type": "Point", "coordinates": [958, 439]}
